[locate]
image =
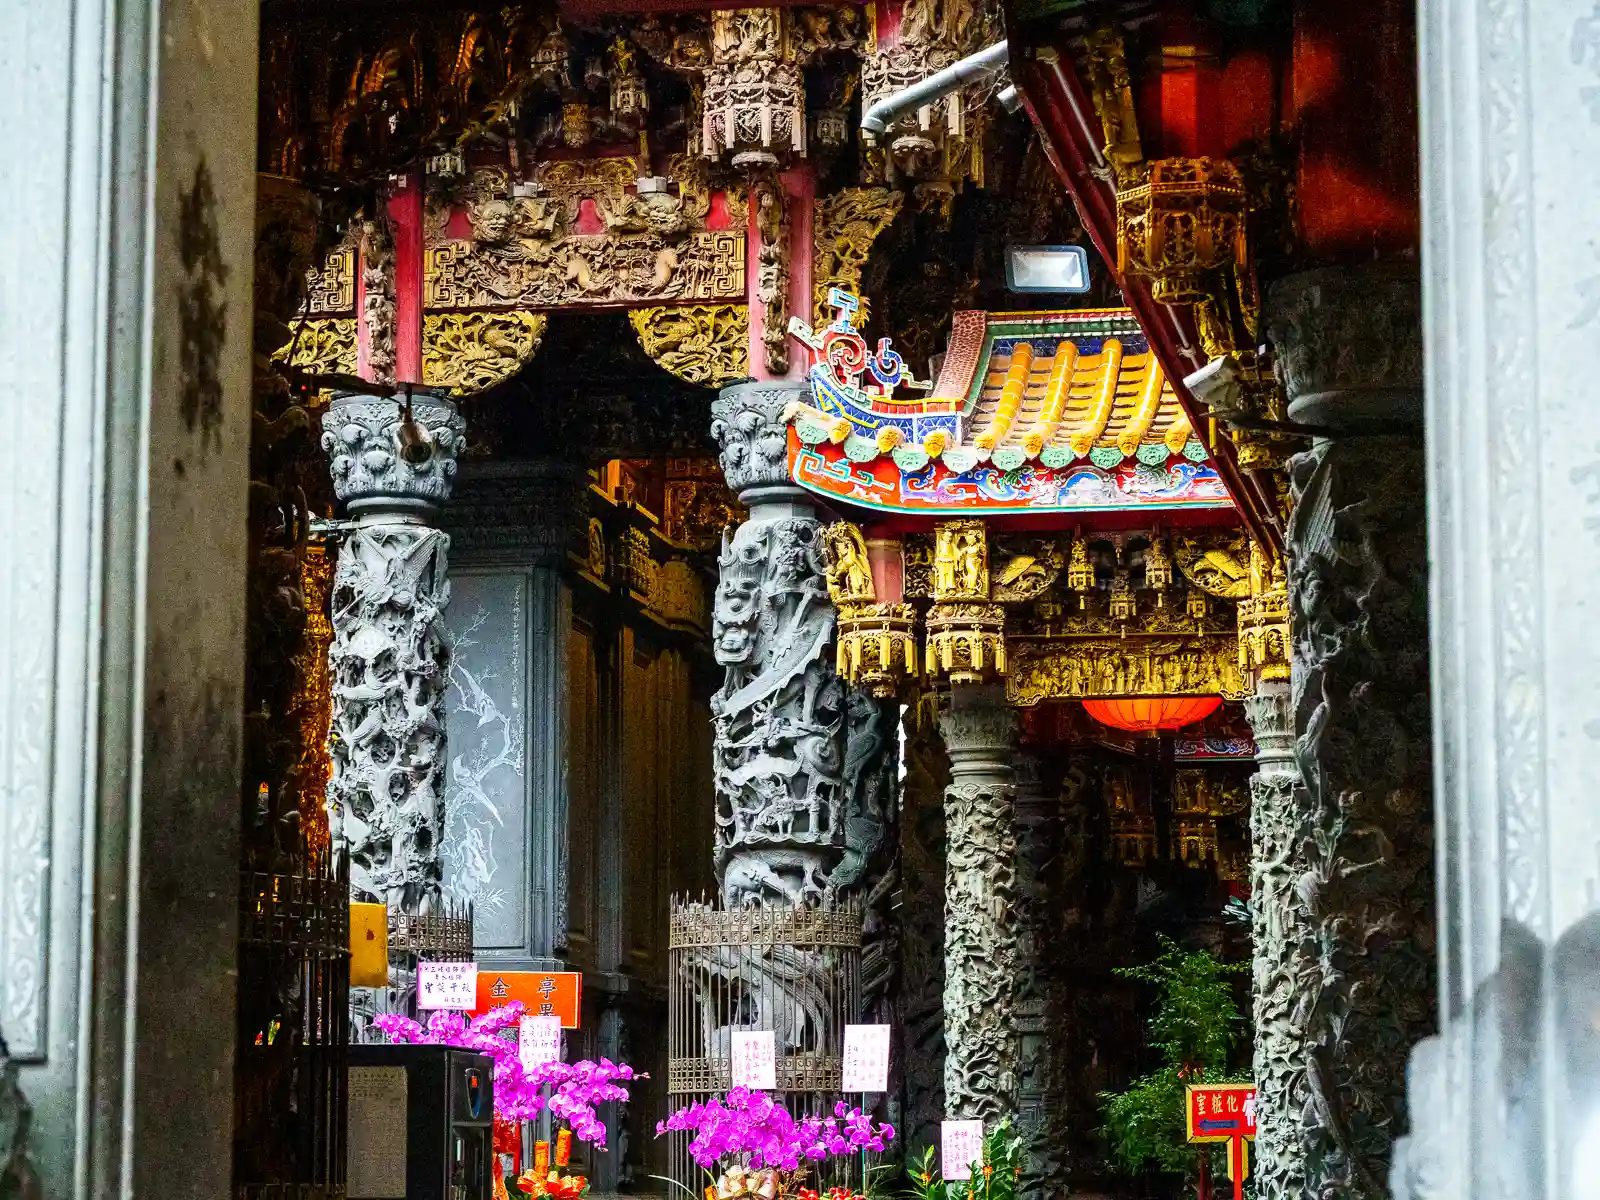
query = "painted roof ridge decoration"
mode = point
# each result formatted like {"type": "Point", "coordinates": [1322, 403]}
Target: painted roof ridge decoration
{"type": "Point", "coordinates": [1040, 411]}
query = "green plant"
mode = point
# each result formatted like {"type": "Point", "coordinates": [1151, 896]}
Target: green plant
{"type": "Point", "coordinates": [994, 1174]}
{"type": "Point", "coordinates": [926, 1181]}
{"type": "Point", "coordinates": [1195, 1027]}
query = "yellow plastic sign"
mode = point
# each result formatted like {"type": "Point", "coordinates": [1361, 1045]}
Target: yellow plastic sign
{"type": "Point", "coordinates": [369, 945]}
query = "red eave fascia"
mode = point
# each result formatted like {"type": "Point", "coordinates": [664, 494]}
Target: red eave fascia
{"type": "Point", "coordinates": [1056, 100]}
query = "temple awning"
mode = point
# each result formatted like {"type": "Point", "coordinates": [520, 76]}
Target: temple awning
{"type": "Point", "coordinates": [1032, 412]}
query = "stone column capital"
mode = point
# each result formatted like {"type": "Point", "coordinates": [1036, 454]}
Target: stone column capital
{"type": "Point", "coordinates": [1270, 711]}
{"type": "Point", "coordinates": [748, 423]}
{"type": "Point", "coordinates": [1348, 344]}
{"type": "Point", "coordinates": [381, 463]}
{"type": "Point", "coordinates": [980, 734]}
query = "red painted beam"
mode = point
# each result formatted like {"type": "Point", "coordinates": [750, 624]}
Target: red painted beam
{"type": "Point", "coordinates": [1062, 111]}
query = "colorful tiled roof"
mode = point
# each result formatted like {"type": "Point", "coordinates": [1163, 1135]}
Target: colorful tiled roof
{"type": "Point", "coordinates": [1102, 401]}
{"type": "Point", "coordinates": [1045, 411]}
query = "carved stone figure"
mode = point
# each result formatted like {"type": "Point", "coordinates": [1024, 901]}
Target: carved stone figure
{"type": "Point", "coordinates": [980, 956]}
{"type": "Point", "coordinates": [849, 573]}
{"type": "Point", "coordinates": [389, 662]}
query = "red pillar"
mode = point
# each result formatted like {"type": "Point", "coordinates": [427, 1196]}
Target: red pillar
{"type": "Point", "coordinates": [1355, 106]}
{"type": "Point", "coordinates": [405, 221]}
{"type": "Point", "coordinates": [799, 188]}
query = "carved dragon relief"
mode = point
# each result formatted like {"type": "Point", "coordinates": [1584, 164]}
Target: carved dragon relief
{"type": "Point", "coordinates": [707, 345]}
{"type": "Point", "coordinates": [845, 226]}
{"type": "Point", "coordinates": [779, 718]}
{"type": "Point", "coordinates": [1218, 564]}
{"type": "Point", "coordinates": [323, 346]}
{"type": "Point", "coordinates": [1362, 907]}
{"type": "Point", "coordinates": [979, 1001]}
{"type": "Point", "coordinates": [922, 867]}
{"type": "Point", "coordinates": [389, 661]}
{"type": "Point", "coordinates": [470, 352]}
{"type": "Point", "coordinates": [981, 935]}
{"type": "Point", "coordinates": [805, 767]}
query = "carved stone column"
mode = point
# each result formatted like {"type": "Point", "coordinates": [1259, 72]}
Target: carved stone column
{"type": "Point", "coordinates": [1277, 927]}
{"type": "Point", "coordinates": [980, 948]}
{"type": "Point", "coordinates": [1348, 343]}
{"type": "Point", "coordinates": [389, 661]}
{"type": "Point", "coordinates": [1506, 1102]}
{"type": "Point", "coordinates": [805, 802]}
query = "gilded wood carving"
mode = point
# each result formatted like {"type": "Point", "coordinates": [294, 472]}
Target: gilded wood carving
{"type": "Point", "coordinates": [1079, 669]}
{"type": "Point", "coordinates": [844, 227]}
{"type": "Point", "coordinates": [586, 232]}
{"type": "Point", "coordinates": [704, 344]}
{"type": "Point", "coordinates": [324, 346]}
{"type": "Point", "coordinates": [469, 352]}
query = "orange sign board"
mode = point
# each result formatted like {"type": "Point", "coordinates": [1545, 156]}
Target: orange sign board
{"type": "Point", "coordinates": [543, 993]}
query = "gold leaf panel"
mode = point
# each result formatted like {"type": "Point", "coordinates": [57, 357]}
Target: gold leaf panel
{"type": "Point", "coordinates": [707, 345]}
{"type": "Point", "coordinates": [324, 346]}
{"type": "Point", "coordinates": [469, 352]}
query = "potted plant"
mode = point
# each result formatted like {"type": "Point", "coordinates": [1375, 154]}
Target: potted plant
{"type": "Point", "coordinates": [570, 1091]}
{"type": "Point", "coordinates": [754, 1149]}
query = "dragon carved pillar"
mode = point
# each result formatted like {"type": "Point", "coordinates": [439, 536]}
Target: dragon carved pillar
{"type": "Point", "coordinates": [1359, 912]}
{"type": "Point", "coordinates": [980, 948]}
{"type": "Point", "coordinates": [389, 661]}
{"type": "Point", "coordinates": [922, 855]}
{"type": "Point", "coordinates": [804, 765]}
{"type": "Point", "coordinates": [1277, 930]}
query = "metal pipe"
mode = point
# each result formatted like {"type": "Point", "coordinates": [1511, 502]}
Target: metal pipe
{"type": "Point", "coordinates": [877, 119]}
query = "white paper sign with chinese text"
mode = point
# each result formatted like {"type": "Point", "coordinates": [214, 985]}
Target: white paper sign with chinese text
{"type": "Point", "coordinates": [866, 1058]}
{"type": "Point", "coordinates": [452, 985]}
{"type": "Point", "coordinates": [755, 1059]}
{"type": "Point", "coordinates": [960, 1145]}
{"type": "Point", "coordinates": [538, 1040]}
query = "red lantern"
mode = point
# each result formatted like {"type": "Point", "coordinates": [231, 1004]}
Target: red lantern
{"type": "Point", "coordinates": [1152, 714]}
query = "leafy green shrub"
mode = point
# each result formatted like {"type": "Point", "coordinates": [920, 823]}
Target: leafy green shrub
{"type": "Point", "coordinates": [1196, 1025]}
